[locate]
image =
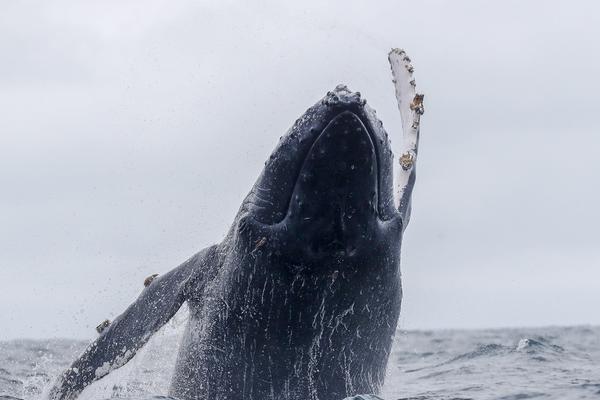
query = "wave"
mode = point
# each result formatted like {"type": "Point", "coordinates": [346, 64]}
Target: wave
{"type": "Point", "coordinates": [504, 364]}
{"type": "Point", "coordinates": [536, 349]}
{"type": "Point", "coordinates": [537, 345]}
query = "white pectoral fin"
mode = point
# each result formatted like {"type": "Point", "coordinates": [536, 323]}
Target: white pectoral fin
{"type": "Point", "coordinates": [410, 104]}
{"type": "Point", "coordinates": [119, 341]}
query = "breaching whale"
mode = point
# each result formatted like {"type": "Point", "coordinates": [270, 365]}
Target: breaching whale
{"type": "Point", "coordinates": [302, 297]}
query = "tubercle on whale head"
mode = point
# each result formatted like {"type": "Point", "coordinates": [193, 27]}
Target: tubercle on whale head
{"type": "Point", "coordinates": [271, 198]}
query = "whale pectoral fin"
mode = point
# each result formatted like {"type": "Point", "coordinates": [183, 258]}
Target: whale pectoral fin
{"type": "Point", "coordinates": [410, 105]}
{"type": "Point", "coordinates": [119, 342]}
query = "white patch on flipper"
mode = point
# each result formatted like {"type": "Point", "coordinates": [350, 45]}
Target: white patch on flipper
{"type": "Point", "coordinates": [149, 372]}
{"type": "Point", "coordinates": [410, 112]}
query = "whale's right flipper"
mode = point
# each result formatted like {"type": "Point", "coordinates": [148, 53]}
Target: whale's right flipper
{"type": "Point", "coordinates": [410, 105]}
{"type": "Point", "coordinates": [131, 330]}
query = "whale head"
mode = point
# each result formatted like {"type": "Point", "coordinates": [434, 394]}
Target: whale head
{"type": "Point", "coordinates": [329, 180]}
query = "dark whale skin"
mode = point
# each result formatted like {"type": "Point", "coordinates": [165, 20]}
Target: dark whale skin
{"type": "Point", "coordinates": [302, 297]}
{"type": "Point", "coordinates": [307, 299]}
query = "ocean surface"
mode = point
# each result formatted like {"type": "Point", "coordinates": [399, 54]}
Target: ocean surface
{"type": "Point", "coordinates": [502, 364]}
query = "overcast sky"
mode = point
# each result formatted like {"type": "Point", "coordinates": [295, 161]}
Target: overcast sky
{"type": "Point", "coordinates": [131, 131]}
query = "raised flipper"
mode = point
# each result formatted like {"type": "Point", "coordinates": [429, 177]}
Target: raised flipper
{"type": "Point", "coordinates": [119, 342]}
{"type": "Point", "coordinates": [410, 105]}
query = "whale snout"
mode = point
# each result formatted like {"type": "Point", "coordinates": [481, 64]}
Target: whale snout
{"type": "Point", "coordinates": [341, 96]}
{"type": "Point", "coordinates": [336, 156]}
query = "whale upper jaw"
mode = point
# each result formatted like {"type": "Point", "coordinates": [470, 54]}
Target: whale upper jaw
{"type": "Point", "coordinates": [329, 181]}
{"type": "Point", "coordinates": [337, 150]}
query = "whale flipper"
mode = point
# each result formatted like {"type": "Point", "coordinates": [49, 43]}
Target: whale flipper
{"type": "Point", "coordinates": [131, 330]}
{"type": "Point", "coordinates": [410, 105]}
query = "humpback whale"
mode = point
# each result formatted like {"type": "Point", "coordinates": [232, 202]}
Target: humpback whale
{"type": "Point", "coordinates": [302, 297]}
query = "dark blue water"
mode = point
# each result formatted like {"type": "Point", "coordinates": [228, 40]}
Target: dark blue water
{"type": "Point", "coordinates": [502, 364]}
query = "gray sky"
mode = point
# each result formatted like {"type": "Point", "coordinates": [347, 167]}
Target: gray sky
{"type": "Point", "coordinates": [131, 131]}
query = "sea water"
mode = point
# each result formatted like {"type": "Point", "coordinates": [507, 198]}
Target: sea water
{"type": "Point", "coordinates": [503, 364]}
